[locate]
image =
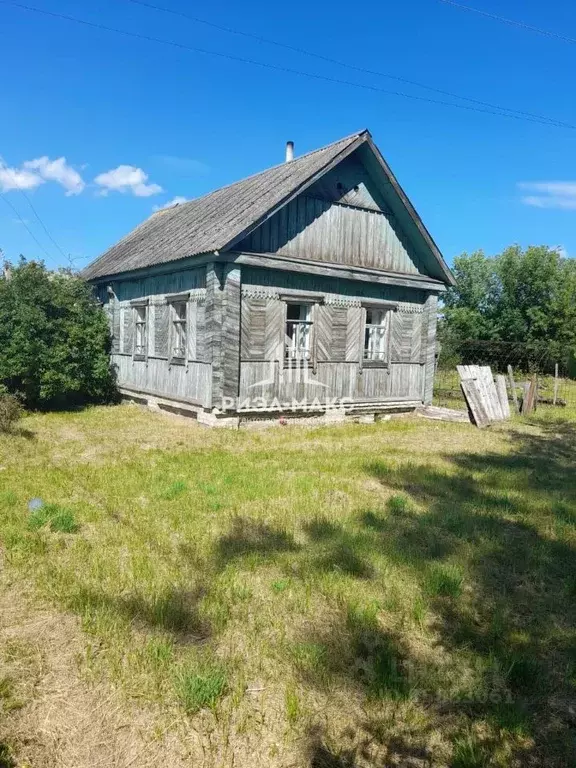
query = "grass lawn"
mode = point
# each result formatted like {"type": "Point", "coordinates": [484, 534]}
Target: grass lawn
{"type": "Point", "coordinates": [366, 595]}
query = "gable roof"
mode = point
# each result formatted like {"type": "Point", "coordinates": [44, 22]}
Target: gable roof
{"type": "Point", "coordinates": [222, 218]}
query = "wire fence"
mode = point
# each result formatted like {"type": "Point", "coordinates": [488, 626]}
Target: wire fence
{"type": "Point", "coordinates": [554, 367]}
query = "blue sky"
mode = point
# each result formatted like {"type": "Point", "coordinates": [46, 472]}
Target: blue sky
{"type": "Point", "coordinates": [133, 117]}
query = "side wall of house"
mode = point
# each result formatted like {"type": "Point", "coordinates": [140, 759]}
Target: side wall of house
{"type": "Point", "coordinates": [156, 372]}
{"type": "Point", "coordinates": [236, 335]}
{"type": "Point", "coordinates": [336, 368]}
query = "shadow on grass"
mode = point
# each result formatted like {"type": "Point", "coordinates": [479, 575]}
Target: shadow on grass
{"type": "Point", "coordinates": [27, 434]}
{"type": "Point", "coordinates": [509, 520]}
{"type": "Point", "coordinates": [331, 548]}
{"type": "Point", "coordinates": [248, 538]}
{"type": "Point", "coordinates": [368, 745]}
{"type": "Point", "coordinates": [490, 538]}
{"type": "Point", "coordinates": [6, 759]}
{"type": "Point", "coordinates": [356, 650]}
{"type": "Point", "coordinates": [175, 612]}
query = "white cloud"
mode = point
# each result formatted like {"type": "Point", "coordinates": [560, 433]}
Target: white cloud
{"type": "Point", "coordinates": [127, 179]}
{"type": "Point", "coordinates": [550, 194]}
{"type": "Point", "coordinates": [16, 178]}
{"type": "Point", "coordinates": [33, 173]}
{"type": "Point", "coordinates": [59, 171]}
{"type": "Point", "coordinates": [178, 200]}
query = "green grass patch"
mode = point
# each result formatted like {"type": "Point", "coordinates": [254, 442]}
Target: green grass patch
{"type": "Point", "coordinates": [415, 576]}
{"type": "Point", "coordinates": [469, 752]}
{"type": "Point", "coordinates": [280, 586]}
{"type": "Point", "coordinates": [54, 517]}
{"type": "Point", "coordinates": [398, 505]}
{"type": "Point", "coordinates": [173, 491]}
{"type": "Point", "coordinates": [444, 581]}
{"type": "Point", "coordinates": [293, 706]}
{"type": "Point", "coordinates": [7, 759]}
{"type": "Point", "coordinates": [200, 686]}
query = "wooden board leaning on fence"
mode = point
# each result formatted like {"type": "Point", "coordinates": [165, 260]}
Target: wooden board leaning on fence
{"type": "Point", "coordinates": [487, 396]}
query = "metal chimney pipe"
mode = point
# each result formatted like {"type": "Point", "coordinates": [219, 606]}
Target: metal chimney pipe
{"type": "Point", "coordinates": [289, 151]}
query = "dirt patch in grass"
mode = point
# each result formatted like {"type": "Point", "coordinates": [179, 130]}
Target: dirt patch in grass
{"type": "Point", "coordinates": [53, 714]}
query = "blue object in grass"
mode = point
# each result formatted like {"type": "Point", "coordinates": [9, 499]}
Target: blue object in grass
{"type": "Point", "coordinates": [35, 504]}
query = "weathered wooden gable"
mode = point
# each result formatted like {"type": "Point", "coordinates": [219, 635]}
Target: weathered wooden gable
{"type": "Point", "coordinates": [343, 219]}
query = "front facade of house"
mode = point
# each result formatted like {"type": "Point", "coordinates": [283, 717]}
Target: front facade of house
{"type": "Point", "coordinates": [310, 288]}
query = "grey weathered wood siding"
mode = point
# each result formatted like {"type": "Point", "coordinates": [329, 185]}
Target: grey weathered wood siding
{"type": "Point", "coordinates": [429, 356]}
{"type": "Point", "coordinates": [349, 182]}
{"type": "Point", "coordinates": [190, 383]}
{"type": "Point", "coordinates": [236, 320]}
{"type": "Point", "coordinates": [156, 375]}
{"type": "Point", "coordinates": [337, 369]}
{"type": "Point", "coordinates": [320, 230]}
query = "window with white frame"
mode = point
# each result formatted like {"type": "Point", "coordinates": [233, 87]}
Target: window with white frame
{"type": "Point", "coordinates": [140, 320]}
{"type": "Point", "coordinates": [298, 331]}
{"type": "Point", "coordinates": [376, 335]}
{"type": "Point", "coordinates": [179, 330]}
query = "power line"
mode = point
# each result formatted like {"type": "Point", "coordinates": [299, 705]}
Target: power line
{"type": "Point", "coordinates": [302, 73]}
{"type": "Point", "coordinates": [338, 62]}
{"type": "Point", "coordinates": [34, 211]}
{"type": "Point", "coordinates": [511, 22]}
{"type": "Point", "coordinates": [44, 227]}
{"type": "Point", "coordinates": [32, 235]}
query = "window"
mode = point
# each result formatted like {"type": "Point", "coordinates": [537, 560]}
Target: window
{"type": "Point", "coordinates": [140, 346]}
{"type": "Point", "coordinates": [376, 335]}
{"type": "Point", "coordinates": [298, 331]}
{"type": "Point", "coordinates": [178, 351]}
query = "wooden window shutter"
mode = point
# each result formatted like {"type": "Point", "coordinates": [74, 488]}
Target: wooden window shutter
{"type": "Point", "coordinates": [416, 348]}
{"type": "Point", "coordinates": [128, 330]}
{"type": "Point", "coordinates": [274, 334]}
{"type": "Point", "coordinates": [191, 317]}
{"type": "Point", "coordinates": [323, 331]}
{"type": "Point", "coordinates": [253, 328]}
{"type": "Point", "coordinates": [113, 312]}
{"type": "Point", "coordinates": [115, 328]}
{"type": "Point", "coordinates": [199, 331]}
{"type": "Point", "coordinates": [354, 335]}
{"type": "Point", "coordinates": [339, 333]}
{"type": "Point", "coordinates": [161, 330]}
{"type": "Point", "coordinates": [262, 329]}
{"type": "Point", "coordinates": [331, 329]}
{"type": "Point", "coordinates": [425, 317]}
{"type": "Point", "coordinates": [406, 337]}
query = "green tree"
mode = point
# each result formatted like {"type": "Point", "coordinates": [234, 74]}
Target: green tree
{"type": "Point", "coordinates": [54, 338]}
{"type": "Point", "coordinates": [469, 304]}
{"type": "Point", "coordinates": [524, 296]}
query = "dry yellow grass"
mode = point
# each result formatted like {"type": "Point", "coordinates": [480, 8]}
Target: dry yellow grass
{"type": "Point", "coordinates": [396, 594]}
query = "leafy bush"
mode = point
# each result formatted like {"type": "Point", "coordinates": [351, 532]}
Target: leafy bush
{"type": "Point", "coordinates": [54, 339]}
{"type": "Point", "coordinates": [10, 411]}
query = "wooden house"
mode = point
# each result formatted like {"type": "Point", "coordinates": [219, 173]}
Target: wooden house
{"type": "Point", "coordinates": [309, 288]}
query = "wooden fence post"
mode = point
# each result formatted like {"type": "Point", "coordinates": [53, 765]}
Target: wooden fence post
{"type": "Point", "coordinates": [530, 396]}
{"type": "Point", "coordinates": [555, 384]}
{"type": "Point", "coordinates": [513, 388]}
